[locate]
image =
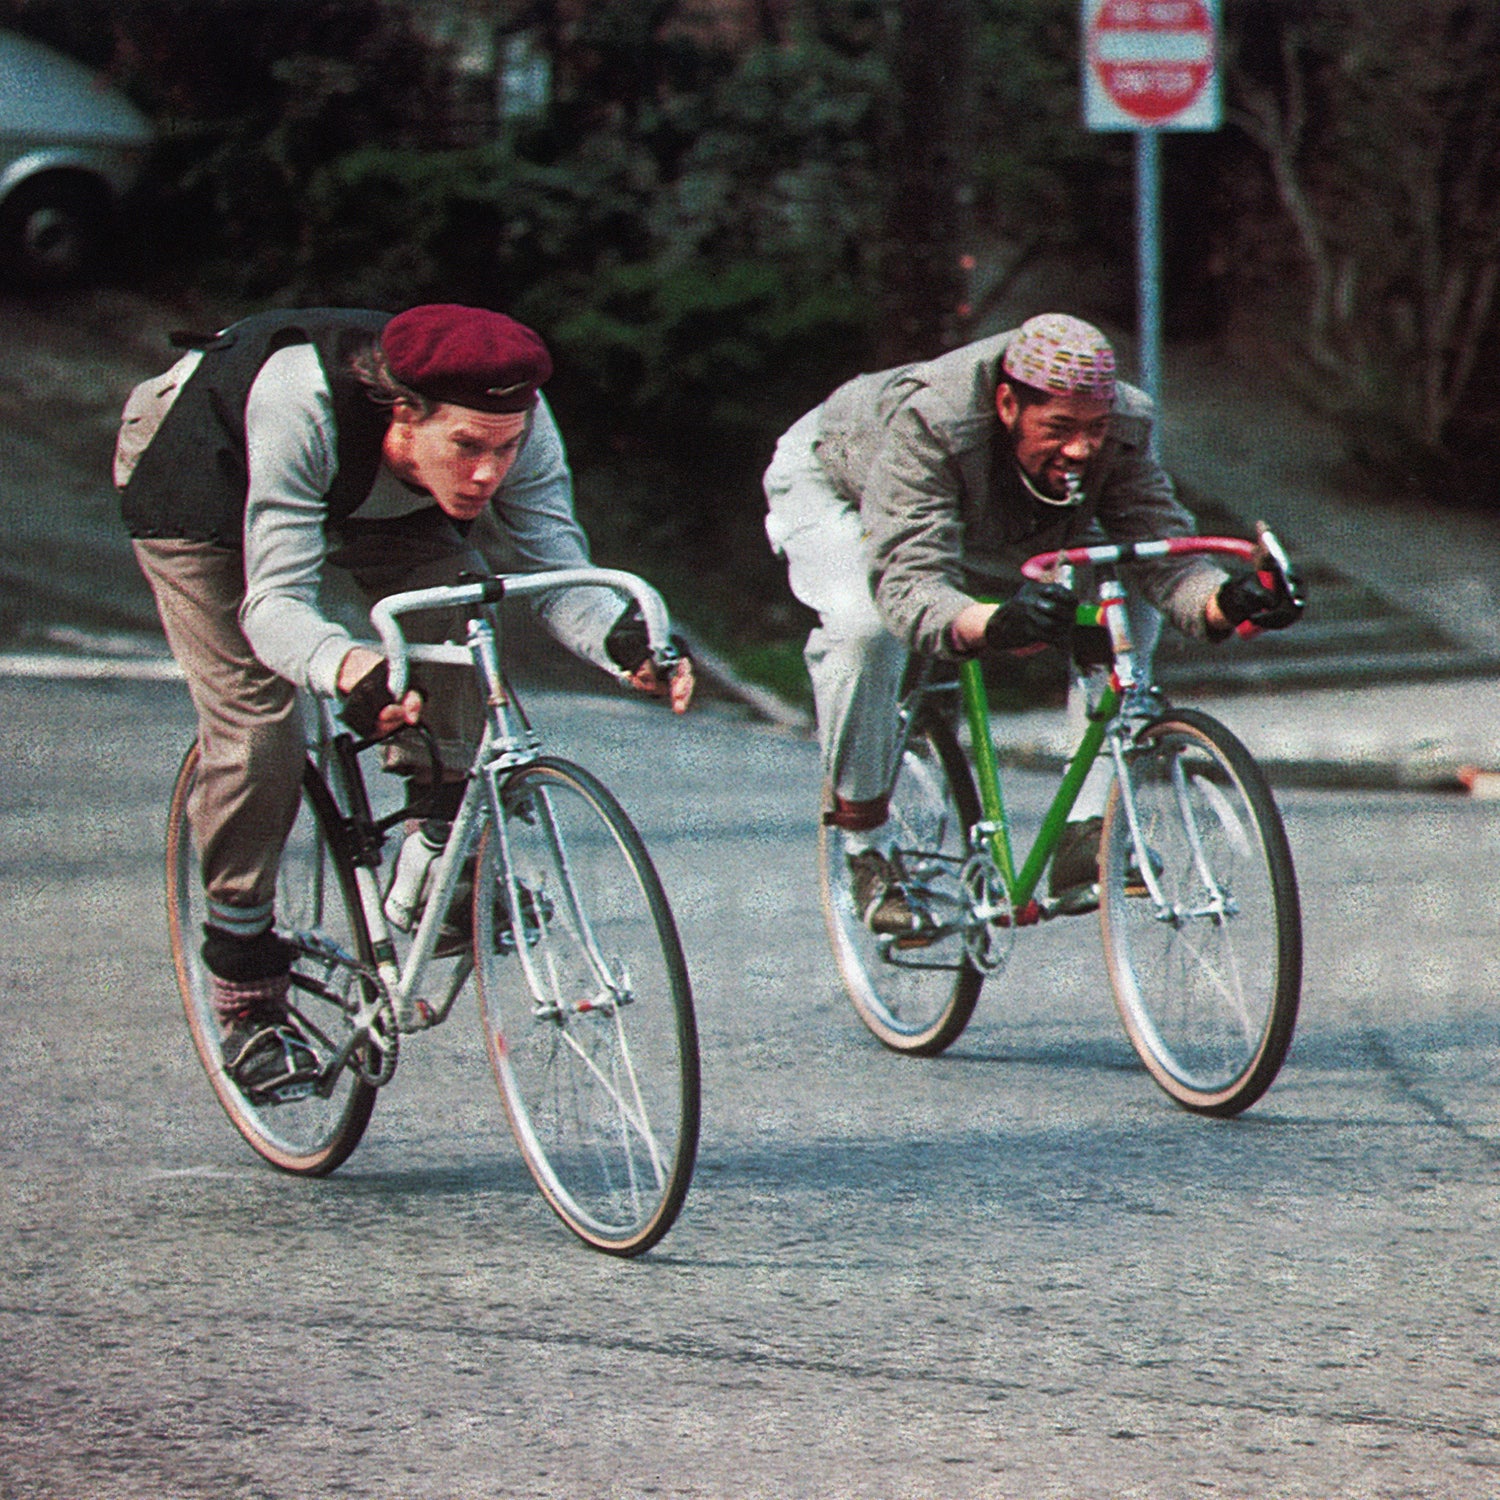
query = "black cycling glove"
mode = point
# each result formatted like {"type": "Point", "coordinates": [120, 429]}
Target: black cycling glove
{"type": "Point", "coordinates": [1038, 612]}
{"type": "Point", "coordinates": [364, 701]}
{"type": "Point", "coordinates": [1261, 599]}
{"type": "Point", "coordinates": [628, 645]}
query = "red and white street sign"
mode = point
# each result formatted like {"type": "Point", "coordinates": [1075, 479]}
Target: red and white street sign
{"type": "Point", "coordinates": [1151, 64]}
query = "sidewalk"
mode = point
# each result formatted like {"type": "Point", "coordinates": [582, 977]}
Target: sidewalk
{"type": "Point", "coordinates": [1428, 736]}
{"type": "Point", "coordinates": [1440, 565]}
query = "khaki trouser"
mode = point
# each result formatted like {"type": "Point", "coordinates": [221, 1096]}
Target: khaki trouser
{"type": "Point", "coordinates": [250, 733]}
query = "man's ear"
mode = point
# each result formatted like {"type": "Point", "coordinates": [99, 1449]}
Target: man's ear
{"type": "Point", "coordinates": [1007, 406]}
{"type": "Point", "coordinates": [395, 446]}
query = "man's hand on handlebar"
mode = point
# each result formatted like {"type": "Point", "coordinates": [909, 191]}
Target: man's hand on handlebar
{"type": "Point", "coordinates": [677, 688]}
{"type": "Point", "coordinates": [1039, 613]}
{"type": "Point", "coordinates": [368, 708]}
{"type": "Point", "coordinates": [630, 650]}
{"type": "Point", "coordinates": [1261, 600]}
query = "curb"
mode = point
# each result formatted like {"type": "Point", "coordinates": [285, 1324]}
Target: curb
{"type": "Point", "coordinates": [1421, 772]}
{"type": "Point", "coordinates": [765, 704]}
{"type": "Point", "coordinates": [1416, 774]}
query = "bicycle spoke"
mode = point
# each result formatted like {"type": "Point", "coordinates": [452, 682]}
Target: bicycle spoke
{"type": "Point", "coordinates": [1207, 970]}
{"type": "Point", "coordinates": [588, 1016]}
{"type": "Point", "coordinates": [632, 1112]}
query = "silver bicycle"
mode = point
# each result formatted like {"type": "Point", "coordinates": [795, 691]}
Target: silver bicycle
{"type": "Point", "coordinates": [582, 987]}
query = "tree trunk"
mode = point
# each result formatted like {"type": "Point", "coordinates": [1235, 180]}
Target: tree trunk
{"type": "Point", "coordinates": [928, 154]}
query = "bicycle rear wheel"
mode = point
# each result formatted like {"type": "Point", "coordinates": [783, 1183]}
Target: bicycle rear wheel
{"type": "Point", "coordinates": [315, 895]}
{"type": "Point", "coordinates": [1207, 978]}
{"type": "Point", "coordinates": [916, 999]}
{"type": "Point", "coordinates": [588, 1014]}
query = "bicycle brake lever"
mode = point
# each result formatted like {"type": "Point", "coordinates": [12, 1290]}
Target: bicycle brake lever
{"type": "Point", "coordinates": [1275, 554]}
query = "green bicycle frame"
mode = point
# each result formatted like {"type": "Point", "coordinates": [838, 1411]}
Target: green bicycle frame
{"type": "Point", "coordinates": [995, 824]}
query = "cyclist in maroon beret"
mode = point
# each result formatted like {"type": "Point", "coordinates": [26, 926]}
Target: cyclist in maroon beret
{"type": "Point", "coordinates": [406, 450]}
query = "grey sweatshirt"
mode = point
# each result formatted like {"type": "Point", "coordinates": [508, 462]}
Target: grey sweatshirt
{"type": "Point", "coordinates": [291, 448]}
{"type": "Point", "coordinates": [922, 451]}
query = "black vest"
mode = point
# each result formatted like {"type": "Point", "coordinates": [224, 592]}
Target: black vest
{"type": "Point", "coordinates": [190, 483]}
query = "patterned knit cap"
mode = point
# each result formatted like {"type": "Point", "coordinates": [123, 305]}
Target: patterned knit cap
{"type": "Point", "coordinates": [1062, 355]}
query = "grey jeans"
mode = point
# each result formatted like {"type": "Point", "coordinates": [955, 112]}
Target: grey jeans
{"type": "Point", "coordinates": [855, 663]}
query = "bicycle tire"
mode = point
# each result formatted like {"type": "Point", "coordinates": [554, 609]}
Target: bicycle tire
{"type": "Point", "coordinates": [588, 1018]}
{"type": "Point", "coordinates": [915, 1000]}
{"type": "Point", "coordinates": [1208, 989]}
{"type": "Point", "coordinates": [311, 1136]}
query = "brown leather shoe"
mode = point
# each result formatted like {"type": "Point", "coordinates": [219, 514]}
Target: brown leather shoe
{"type": "Point", "coordinates": [878, 896]}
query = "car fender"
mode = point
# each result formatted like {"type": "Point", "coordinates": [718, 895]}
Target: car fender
{"type": "Point", "coordinates": [112, 176]}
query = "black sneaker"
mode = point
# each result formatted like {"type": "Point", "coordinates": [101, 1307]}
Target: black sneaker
{"type": "Point", "coordinates": [875, 882]}
{"type": "Point", "coordinates": [269, 1059]}
{"type": "Point", "coordinates": [1075, 868]}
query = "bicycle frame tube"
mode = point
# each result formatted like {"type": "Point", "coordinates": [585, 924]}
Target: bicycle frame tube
{"type": "Point", "coordinates": [995, 826]}
{"type": "Point", "coordinates": [501, 748]}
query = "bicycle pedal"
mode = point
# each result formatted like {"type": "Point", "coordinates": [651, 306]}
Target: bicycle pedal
{"type": "Point", "coordinates": [916, 940]}
{"type": "Point", "coordinates": [1077, 901]}
{"type": "Point", "coordinates": [288, 1093]}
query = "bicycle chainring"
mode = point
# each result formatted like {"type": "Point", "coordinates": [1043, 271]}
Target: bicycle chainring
{"type": "Point", "coordinates": [990, 930]}
{"type": "Point", "coordinates": [374, 1059]}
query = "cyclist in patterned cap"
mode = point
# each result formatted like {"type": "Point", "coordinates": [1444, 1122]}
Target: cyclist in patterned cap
{"type": "Point", "coordinates": [292, 440]}
{"type": "Point", "coordinates": [912, 490]}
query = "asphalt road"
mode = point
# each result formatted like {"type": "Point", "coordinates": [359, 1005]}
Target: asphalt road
{"type": "Point", "coordinates": [1014, 1271]}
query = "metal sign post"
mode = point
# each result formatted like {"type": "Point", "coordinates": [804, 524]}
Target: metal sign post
{"type": "Point", "coordinates": [1149, 66]}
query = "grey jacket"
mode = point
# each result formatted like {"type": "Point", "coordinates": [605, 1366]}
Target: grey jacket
{"type": "Point", "coordinates": [922, 451]}
{"type": "Point", "coordinates": [292, 450]}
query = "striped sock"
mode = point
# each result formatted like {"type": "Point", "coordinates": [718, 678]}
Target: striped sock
{"type": "Point", "coordinates": [236, 1000]}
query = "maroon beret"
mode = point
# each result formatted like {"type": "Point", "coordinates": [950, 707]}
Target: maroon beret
{"type": "Point", "coordinates": [469, 356]}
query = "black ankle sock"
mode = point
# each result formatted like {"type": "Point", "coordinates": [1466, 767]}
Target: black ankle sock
{"type": "Point", "coordinates": [445, 799]}
{"type": "Point", "coordinates": [241, 959]}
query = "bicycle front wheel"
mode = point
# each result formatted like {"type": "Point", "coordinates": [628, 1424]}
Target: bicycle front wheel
{"type": "Point", "coordinates": [1207, 967]}
{"type": "Point", "coordinates": [587, 1010]}
{"type": "Point", "coordinates": [315, 899]}
{"type": "Point", "coordinates": [916, 997]}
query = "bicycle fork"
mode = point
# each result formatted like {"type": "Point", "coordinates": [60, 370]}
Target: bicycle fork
{"type": "Point", "coordinates": [531, 910]}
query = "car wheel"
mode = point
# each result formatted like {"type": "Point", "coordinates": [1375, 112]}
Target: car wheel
{"type": "Point", "coordinates": [51, 231]}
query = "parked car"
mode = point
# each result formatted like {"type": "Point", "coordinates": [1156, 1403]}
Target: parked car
{"type": "Point", "coordinates": [71, 147]}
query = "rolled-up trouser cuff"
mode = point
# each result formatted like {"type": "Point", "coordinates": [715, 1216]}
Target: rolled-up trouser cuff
{"type": "Point", "coordinates": [858, 817]}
